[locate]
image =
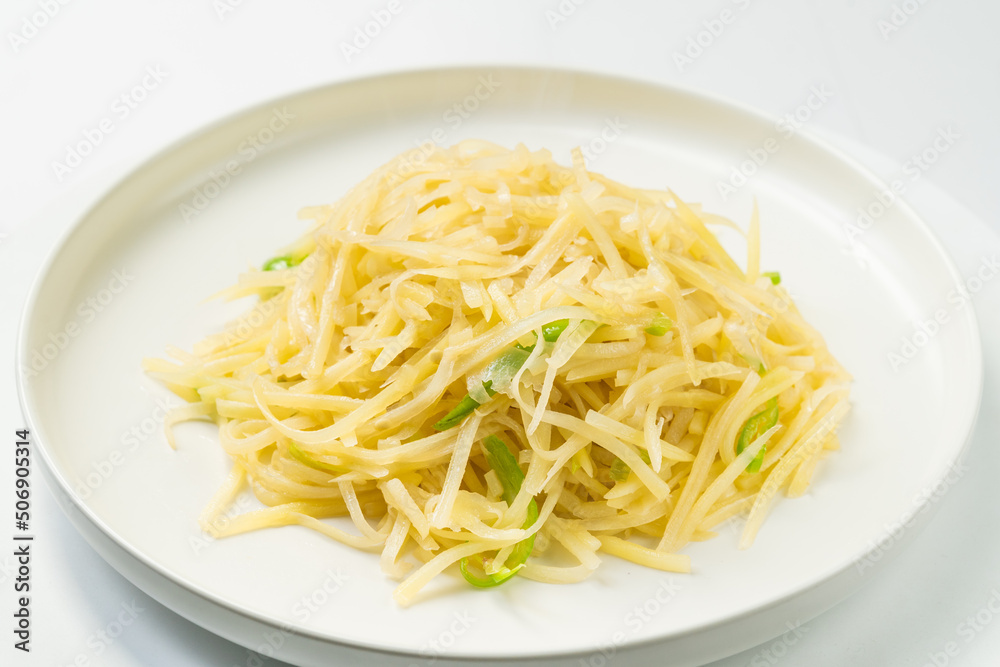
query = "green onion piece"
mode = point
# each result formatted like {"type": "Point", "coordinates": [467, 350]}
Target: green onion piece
{"type": "Point", "coordinates": [509, 473]}
{"type": "Point", "coordinates": [754, 428]}
{"type": "Point", "coordinates": [660, 326]}
{"type": "Point", "coordinates": [774, 276]}
{"type": "Point", "coordinates": [305, 459]}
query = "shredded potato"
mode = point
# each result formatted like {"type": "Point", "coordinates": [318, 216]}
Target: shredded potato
{"type": "Point", "coordinates": [642, 386]}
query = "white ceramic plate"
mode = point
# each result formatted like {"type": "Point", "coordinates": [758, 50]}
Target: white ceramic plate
{"type": "Point", "coordinates": [131, 277]}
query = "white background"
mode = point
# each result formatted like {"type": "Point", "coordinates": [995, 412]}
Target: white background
{"type": "Point", "coordinates": [893, 85]}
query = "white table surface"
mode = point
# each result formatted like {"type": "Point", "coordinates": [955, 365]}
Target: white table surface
{"type": "Point", "coordinates": [891, 91]}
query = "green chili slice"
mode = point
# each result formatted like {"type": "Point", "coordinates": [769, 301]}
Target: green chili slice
{"type": "Point", "coordinates": [502, 368]}
{"type": "Point", "coordinates": [756, 426]}
{"type": "Point", "coordinates": [509, 473]}
{"type": "Point", "coordinates": [282, 262]}
{"type": "Point", "coordinates": [552, 330]}
{"type": "Point", "coordinates": [620, 470]}
{"type": "Point", "coordinates": [660, 326]}
{"type": "Point", "coordinates": [305, 459]}
{"type": "Point", "coordinates": [458, 413]}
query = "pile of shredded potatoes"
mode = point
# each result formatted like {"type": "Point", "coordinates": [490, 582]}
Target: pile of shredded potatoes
{"type": "Point", "coordinates": [656, 389]}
